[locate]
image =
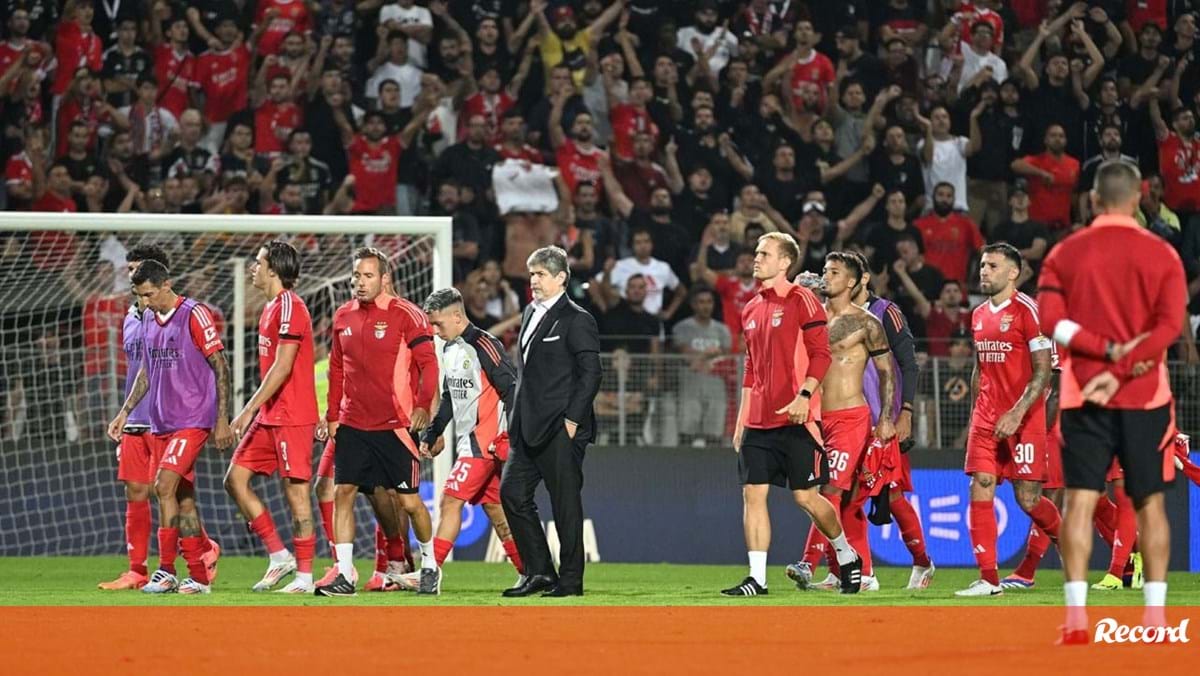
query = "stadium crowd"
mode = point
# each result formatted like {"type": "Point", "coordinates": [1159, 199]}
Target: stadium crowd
{"type": "Point", "coordinates": [911, 131]}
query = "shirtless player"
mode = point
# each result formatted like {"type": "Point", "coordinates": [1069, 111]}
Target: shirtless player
{"type": "Point", "coordinates": [855, 336]}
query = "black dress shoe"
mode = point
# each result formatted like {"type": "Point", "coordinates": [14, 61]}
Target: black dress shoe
{"type": "Point", "coordinates": [560, 591]}
{"type": "Point", "coordinates": [532, 585]}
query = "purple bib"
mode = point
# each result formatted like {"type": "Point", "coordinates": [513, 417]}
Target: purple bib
{"type": "Point", "coordinates": [183, 391]}
{"type": "Point", "coordinates": [132, 337]}
{"type": "Point", "coordinates": [871, 376]}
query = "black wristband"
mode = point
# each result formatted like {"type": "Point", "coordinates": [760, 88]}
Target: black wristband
{"type": "Point", "coordinates": [806, 394]}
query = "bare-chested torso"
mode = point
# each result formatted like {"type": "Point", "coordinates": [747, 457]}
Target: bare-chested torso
{"type": "Point", "coordinates": [842, 387]}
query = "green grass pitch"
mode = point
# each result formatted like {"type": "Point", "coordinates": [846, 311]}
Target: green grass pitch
{"type": "Point", "coordinates": [71, 581]}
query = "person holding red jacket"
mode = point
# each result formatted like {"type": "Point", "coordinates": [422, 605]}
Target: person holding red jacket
{"type": "Point", "coordinates": [376, 337]}
{"type": "Point", "coordinates": [777, 437]}
{"type": "Point", "coordinates": [1114, 295]}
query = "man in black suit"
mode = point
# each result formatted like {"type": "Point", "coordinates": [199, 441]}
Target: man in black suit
{"type": "Point", "coordinates": [558, 367]}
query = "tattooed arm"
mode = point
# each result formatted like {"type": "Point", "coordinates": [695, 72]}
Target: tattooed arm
{"type": "Point", "coordinates": [222, 433]}
{"type": "Point", "coordinates": [140, 385]}
{"type": "Point", "coordinates": [881, 355]}
{"type": "Point", "coordinates": [1008, 423]}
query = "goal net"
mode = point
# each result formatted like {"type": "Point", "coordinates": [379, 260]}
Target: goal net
{"type": "Point", "coordinates": [64, 293]}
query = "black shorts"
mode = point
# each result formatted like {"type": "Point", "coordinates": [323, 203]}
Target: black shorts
{"type": "Point", "coordinates": [785, 456]}
{"type": "Point", "coordinates": [1138, 438]}
{"type": "Point", "coordinates": [370, 459]}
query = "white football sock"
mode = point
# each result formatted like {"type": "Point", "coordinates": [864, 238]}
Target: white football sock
{"type": "Point", "coordinates": [345, 559]}
{"type": "Point", "coordinates": [428, 560]}
{"type": "Point", "coordinates": [845, 553]}
{"type": "Point", "coordinates": [280, 556]}
{"type": "Point", "coordinates": [305, 578]}
{"type": "Point", "coordinates": [1076, 597]}
{"type": "Point", "coordinates": [758, 567]}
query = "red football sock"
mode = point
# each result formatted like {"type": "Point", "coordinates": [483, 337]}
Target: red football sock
{"type": "Point", "coordinates": [1125, 535]}
{"type": "Point", "coordinates": [983, 539]}
{"type": "Point", "coordinates": [193, 548]}
{"type": "Point", "coordinates": [137, 534]}
{"type": "Point", "coordinates": [327, 524]}
{"type": "Point", "coordinates": [510, 548]}
{"type": "Point", "coordinates": [441, 549]}
{"type": "Point", "coordinates": [395, 549]}
{"type": "Point", "coordinates": [854, 523]}
{"type": "Point", "coordinates": [306, 549]}
{"type": "Point", "coordinates": [381, 550]}
{"type": "Point", "coordinates": [1105, 519]}
{"type": "Point", "coordinates": [1035, 549]}
{"type": "Point", "coordinates": [1047, 518]}
{"type": "Point", "coordinates": [168, 548]}
{"type": "Point", "coordinates": [910, 529]}
{"type": "Point", "coordinates": [264, 527]}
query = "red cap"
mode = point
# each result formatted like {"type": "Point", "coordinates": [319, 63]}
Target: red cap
{"type": "Point", "coordinates": [562, 13]}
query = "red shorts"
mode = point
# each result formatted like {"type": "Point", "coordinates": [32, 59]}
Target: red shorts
{"type": "Point", "coordinates": [134, 460]}
{"type": "Point", "coordinates": [902, 478]}
{"type": "Point", "coordinates": [1054, 468]}
{"type": "Point", "coordinates": [177, 451]}
{"type": "Point", "coordinates": [1115, 473]}
{"type": "Point", "coordinates": [286, 448]}
{"type": "Point", "coordinates": [846, 434]}
{"type": "Point", "coordinates": [325, 467]}
{"type": "Point", "coordinates": [1020, 457]}
{"type": "Point", "coordinates": [475, 480]}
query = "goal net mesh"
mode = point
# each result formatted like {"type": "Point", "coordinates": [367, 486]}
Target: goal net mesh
{"type": "Point", "coordinates": [63, 297]}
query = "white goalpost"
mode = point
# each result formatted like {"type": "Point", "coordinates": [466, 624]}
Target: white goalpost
{"type": "Point", "coordinates": [63, 297]}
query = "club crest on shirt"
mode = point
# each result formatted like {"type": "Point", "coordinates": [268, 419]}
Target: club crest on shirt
{"type": "Point", "coordinates": [466, 363]}
{"type": "Point", "coordinates": [380, 330]}
{"type": "Point", "coordinates": [1005, 322]}
{"type": "Point", "coordinates": [776, 317]}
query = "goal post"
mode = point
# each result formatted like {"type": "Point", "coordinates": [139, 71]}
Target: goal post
{"type": "Point", "coordinates": [63, 296]}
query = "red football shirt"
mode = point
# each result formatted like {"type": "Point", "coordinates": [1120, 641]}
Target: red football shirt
{"type": "Point", "coordinates": [939, 327]}
{"type": "Point", "coordinates": [69, 112]}
{"type": "Point", "coordinates": [969, 14]}
{"type": "Point", "coordinates": [103, 320]}
{"type": "Point", "coordinates": [51, 202]}
{"type": "Point", "coordinates": [1085, 304]}
{"type": "Point", "coordinates": [293, 16]}
{"type": "Point", "coordinates": [639, 182]}
{"type": "Point", "coordinates": [734, 297]}
{"type": "Point", "coordinates": [949, 243]}
{"type": "Point", "coordinates": [374, 171]}
{"type": "Point", "coordinates": [1142, 12]}
{"type": "Point", "coordinates": [1006, 336]}
{"type": "Point", "coordinates": [816, 70]}
{"type": "Point", "coordinates": [491, 106]}
{"type": "Point", "coordinates": [286, 320]}
{"type": "Point", "coordinates": [627, 120]}
{"type": "Point", "coordinates": [1051, 204]}
{"type": "Point", "coordinates": [787, 341]}
{"type": "Point", "coordinates": [225, 79]}
{"type": "Point", "coordinates": [1179, 164]}
{"type": "Point", "coordinates": [73, 50]}
{"type": "Point", "coordinates": [18, 169]}
{"type": "Point", "coordinates": [577, 165]}
{"type": "Point", "coordinates": [272, 124]}
{"type": "Point", "coordinates": [176, 72]}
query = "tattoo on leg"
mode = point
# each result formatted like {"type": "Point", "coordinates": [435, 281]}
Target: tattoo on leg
{"type": "Point", "coordinates": [189, 526]}
{"type": "Point", "coordinates": [302, 525]}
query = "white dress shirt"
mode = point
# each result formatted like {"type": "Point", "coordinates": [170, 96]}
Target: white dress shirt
{"type": "Point", "coordinates": [540, 308]}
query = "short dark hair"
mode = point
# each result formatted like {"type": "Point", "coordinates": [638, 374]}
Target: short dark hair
{"type": "Point", "coordinates": [147, 78]}
{"type": "Point", "coordinates": [148, 252]}
{"type": "Point", "coordinates": [365, 252]}
{"type": "Point", "coordinates": [284, 260]}
{"type": "Point", "coordinates": [1004, 249]}
{"type": "Point", "coordinates": [443, 298]}
{"type": "Point", "coordinates": [851, 261]}
{"type": "Point", "coordinates": [150, 271]}
{"type": "Point", "coordinates": [700, 290]}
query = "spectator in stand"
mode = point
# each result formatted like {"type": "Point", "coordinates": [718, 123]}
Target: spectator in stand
{"type": "Point", "coordinates": [287, 199]}
{"type": "Point", "coordinates": [1060, 97]}
{"type": "Point", "coordinates": [281, 18]}
{"type": "Point", "coordinates": [880, 239]}
{"type": "Point", "coordinates": [18, 172]}
{"type": "Point", "coordinates": [415, 23]}
{"type": "Point", "coordinates": [943, 318]}
{"type": "Point", "coordinates": [81, 162]}
{"type": "Point", "coordinates": [174, 64]}
{"type": "Point", "coordinates": [374, 156]}
{"type": "Point", "coordinates": [52, 191]}
{"type": "Point", "coordinates": [912, 280]}
{"type": "Point", "coordinates": [753, 207]}
{"type": "Point", "coordinates": [560, 84]}
{"type": "Point", "coordinates": [466, 234]}
{"type": "Point", "coordinates": [126, 167]}
{"type": "Point", "coordinates": [124, 63]}
{"type": "Point", "coordinates": [641, 176]}
{"type": "Point", "coordinates": [1159, 219]}
{"type": "Point", "coordinates": [809, 72]}
{"type": "Point", "coordinates": [239, 158]}
{"type": "Point", "coordinates": [672, 241]}
{"type": "Point", "coordinates": [658, 275]}
{"type": "Point", "coordinates": [631, 119]}
{"type": "Point", "coordinates": [469, 164]}
{"type": "Point", "coordinates": [153, 129]}
{"type": "Point", "coordinates": [1052, 176]}
{"type": "Point", "coordinates": [232, 199]}
{"type": "Point", "coordinates": [611, 236]}
{"type": "Point", "coordinates": [1107, 110]}
{"type": "Point", "coordinates": [19, 44]}
{"type": "Point", "coordinates": [276, 117]}
{"type": "Point", "coordinates": [319, 120]}
{"type": "Point", "coordinates": [578, 158]}
{"type": "Point", "coordinates": [785, 182]}
{"type": "Point", "coordinates": [189, 156]}
{"type": "Point", "coordinates": [223, 75]}
{"type": "Point", "coordinates": [895, 168]}
{"type": "Point", "coordinates": [709, 44]}
{"type": "Point", "coordinates": [1110, 136]}
{"type": "Point", "coordinates": [735, 289]}
{"type": "Point", "coordinates": [944, 156]}
{"type": "Point", "coordinates": [857, 64]}
{"type": "Point", "coordinates": [1179, 162]}
{"type": "Point", "coordinates": [495, 98]}
{"type": "Point", "coordinates": [717, 249]}
{"type": "Point", "coordinates": [817, 235]}
{"type": "Point", "coordinates": [703, 341]}
{"type": "Point", "coordinates": [1020, 230]}
{"type": "Point", "coordinates": [988, 171]}
{"type": "Point", "coordinates": [899, 66]}
{"type": "Point", "coordinates": [562, 42]}
{"type": "Point", "coordinates": [391, 62]}
{"type": "Point", "coordinates": [83, 103]}
{"type": "Point", "coordinates": [310, 174]}
{"type": "Point", "coordinates": [76, 46]}
{"type": "Point", "coordinates": [951, 238]}
{"type": "Point", "coordinates": [904, 19]}
{"type": "Point", "coordinates": [976, 56]}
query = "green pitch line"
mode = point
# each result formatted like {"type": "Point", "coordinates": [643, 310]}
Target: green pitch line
{"type": "Point", "coordinates": [71, 581]}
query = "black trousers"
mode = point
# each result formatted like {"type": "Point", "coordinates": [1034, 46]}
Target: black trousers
{"type": "Point", "coordinates": [559, 462]}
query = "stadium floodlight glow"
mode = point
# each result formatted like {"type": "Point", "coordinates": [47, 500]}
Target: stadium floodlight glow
{"type": "Point", "coordinates": [63, 296]}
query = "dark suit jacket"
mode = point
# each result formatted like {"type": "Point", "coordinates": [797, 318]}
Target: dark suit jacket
{"type": "Point", "coordinates": [560, 379]}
